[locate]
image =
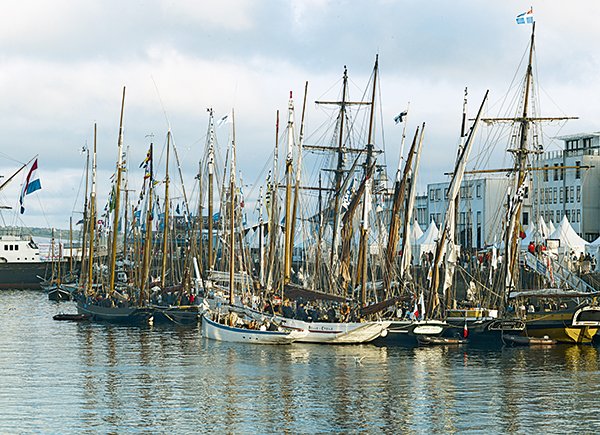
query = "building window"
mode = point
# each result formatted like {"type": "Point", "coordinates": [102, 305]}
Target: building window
{"type": "Point", "coordinates": [578, 215]}
{"type": "Point", "coordinates": [556, 174]}
{"type": "Point", "coordinates": [445, 193]}
{"type": "Point", "coordinates": [552, 215]}
{"type": "Point", "coordinates": [432, 217]}
{"type": "Point", "coordinates": [438, 194]}
{"type": "Point", "coordinates": [554, 196]}
{"type": "Point", "coordinates": [478, 190]}
{"type": "Point", "coordinates": [431, 195]}
{"type": "Point", "coordinates": [572, 194]}
{"type": "Point", "coordinates": [560, 196]}
{"type": "Point", "coordinates": [546, 173]}
{"type": "Point", "coordinates": [568, 213]}
{"type": "Point", "coordinates": [578, 193]}
{"type": "Point", "coordinates": [587, 142]}
{"type": "Point", "coordinates": [525, 218]}
{"type": "Point", "coordinates": [578, 170]}
{"type": "Point", "coordinates": [562, 173]}
{"type": "Point", "coordinates": [526, 195]}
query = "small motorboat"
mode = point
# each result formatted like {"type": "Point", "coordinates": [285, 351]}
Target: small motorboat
{"type": "Point", "coordinates": [72, 317]}
{"type": "Point", "coordinates": [529, 341]}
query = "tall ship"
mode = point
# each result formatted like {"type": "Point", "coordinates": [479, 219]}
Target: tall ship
{"type": "Point", "coordinates": [20, 263]}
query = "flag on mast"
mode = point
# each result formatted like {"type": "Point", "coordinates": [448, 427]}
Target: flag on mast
{"type": "Point", "coordinates": [32, 183]}
{"type": "Point", "coordinates": [525, 17]}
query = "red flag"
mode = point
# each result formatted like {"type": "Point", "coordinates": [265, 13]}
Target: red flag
{"type": "Point", "coordinates": [522, 234]}
{"type": "Point", "coordinates": [465, 331]}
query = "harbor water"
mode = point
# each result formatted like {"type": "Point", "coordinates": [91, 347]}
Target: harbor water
{"type": "Point", "coordinates": [93, 378]}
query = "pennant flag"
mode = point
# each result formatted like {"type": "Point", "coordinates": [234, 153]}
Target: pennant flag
{"type": "Point", "coordinates": [216, 217]}
{"type": "Point", "coordinates": [224, 120]}
{"type": "Point", "coordinates": [525, 17]}
{"type": "Point", "coordinates": [465, 330]}
{"type": "Point", "coordinates": [401, 117]}
{"type": "Point", "coordinates": [144, 163]}
{"type": "Point", "coordinates": [177, 209]}
{"type": "Point", "coordinates": [80, 222]}
{"type": "Point", "coordinates": [32, 183]}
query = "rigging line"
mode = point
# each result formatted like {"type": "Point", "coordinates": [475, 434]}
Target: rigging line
{"type": "Point", "coordinates": [79, 188]}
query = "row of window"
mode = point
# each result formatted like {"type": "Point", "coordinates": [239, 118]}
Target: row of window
{"type": "Point", "coordinates": [573, 216]}
{"type": "Point", "coordinates": [578, 144]}
{"type": "Point", "coordinates": [465, 192]}
{"type": "Point", "coordinates": [11, 247]}
{"type": "Point", "coordinates": [554, 195]}
{"type": "Point", "coordinates": [559, 173]}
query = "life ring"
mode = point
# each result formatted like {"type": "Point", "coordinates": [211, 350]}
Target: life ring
{"type": "Point", "coordinates": [345, 310]}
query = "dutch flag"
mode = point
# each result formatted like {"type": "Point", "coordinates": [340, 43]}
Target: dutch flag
{"type": "Point", "coordinates": [32, 183]}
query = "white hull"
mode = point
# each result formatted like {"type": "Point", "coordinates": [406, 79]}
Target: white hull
{"type": "Point", "coordinates": [216, 331]}
{"type": "Point", "coordinates": [342, 333]}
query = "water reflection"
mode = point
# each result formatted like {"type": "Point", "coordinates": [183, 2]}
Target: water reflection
{"type": "Point", "coordinates": [96, 378]}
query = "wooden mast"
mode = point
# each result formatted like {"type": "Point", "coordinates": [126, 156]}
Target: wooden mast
{"type": "Point", "coordinates": [148, 235]}
{"type": "Point", "coordinates": [166, 219]}
{"type": "Point", "coordinates": [231, 213]}
{"type": "Point", "coordinates": [289, 161]}
{"type": "Point", "coordinates": [117, 198]}
{"type": "Point", "coordinates": [92, 221]}
{"type": "Point", "coordinates": [298, 175]}
{"type": "Point", "coordinates": [365, 219]}
{"type": "Point", "coordinates": [211, 169]}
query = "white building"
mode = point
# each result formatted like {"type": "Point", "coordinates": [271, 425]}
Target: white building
{"type": "Point", "coordinates": [569, 185]}
{"type": "Point", "coordinates": [481, 209]}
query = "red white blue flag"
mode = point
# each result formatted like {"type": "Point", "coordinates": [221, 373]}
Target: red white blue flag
{"type": "Point", "coordinates": [525, 17]}
{"type": "Point", "coordinates": [32, 183]}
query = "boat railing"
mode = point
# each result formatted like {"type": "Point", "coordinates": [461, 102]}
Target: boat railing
{"type": "Point", "coordinates": [556, 272]}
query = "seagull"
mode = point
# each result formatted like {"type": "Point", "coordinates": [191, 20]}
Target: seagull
{"type": "Point", "coordinates": [358, 360]}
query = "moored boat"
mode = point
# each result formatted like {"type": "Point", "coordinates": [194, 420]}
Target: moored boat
{"type": "Point", "coordinates": [222, 332]}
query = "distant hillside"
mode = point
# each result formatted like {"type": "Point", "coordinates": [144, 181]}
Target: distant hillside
{"type": "Point", "coordinates": [42, 232]}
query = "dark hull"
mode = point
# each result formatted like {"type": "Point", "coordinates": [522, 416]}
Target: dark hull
{"type": "Point", "coordinates": [72, 317]}
{"type": "Point", "coordinates": [484, 332]}
{"type": "Point", "coordinates": [23, 275]}
{"type": "Point", "coordinates": [409, 333]}
{"type": "Point", "coordinates": [183, 315]}
{"type": "Point", "coordinates": [130, 315]}
{"type": "Point", "coordinates": [59, 294]}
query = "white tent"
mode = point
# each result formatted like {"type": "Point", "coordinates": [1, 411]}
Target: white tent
{"type": "Point", "coordinates": [426, 243]}
{"type": "Point", "coordinates": [569, 240]}
{"type": "Point", "coordinates": [416, 232]}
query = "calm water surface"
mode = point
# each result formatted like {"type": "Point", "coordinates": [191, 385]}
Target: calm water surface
{"type": "Point", "coordinates": [90, 378]}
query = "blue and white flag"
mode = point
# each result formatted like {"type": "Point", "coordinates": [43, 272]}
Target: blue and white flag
{"type": "Point", "coordinates": [525, 17]}
{"type": "Point", "coordinates": [224, 120]}
{"type": "Point", "coordinates": [32, 183]}
{"type": "Point", "coordinates": [400, 117]}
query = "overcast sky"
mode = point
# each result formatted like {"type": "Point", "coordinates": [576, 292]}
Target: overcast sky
{"type": "Point", "coordinates": [64, 64]}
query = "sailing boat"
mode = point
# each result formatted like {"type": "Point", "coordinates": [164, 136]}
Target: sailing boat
{"type": "Point", "coordinates": [331, 279]}
{"type": "Point", "coordinates": [55, 290]}
{"type": "Point", "coordinates": [108, 301]}
{"type": "Point", "coordinates": [565, 315]}
{"type": "Point", "coordinates": [230, 325]}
